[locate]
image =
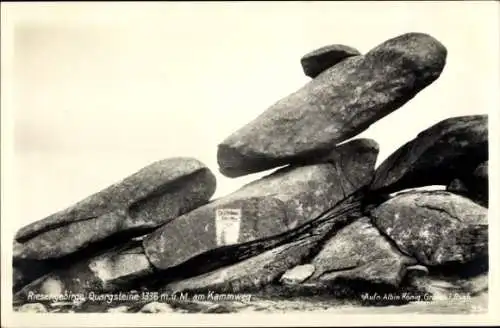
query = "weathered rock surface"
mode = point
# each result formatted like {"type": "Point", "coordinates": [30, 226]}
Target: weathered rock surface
{"type": "Point", "coordinates": [113, 270]}
{"type": "Point", "coordinates": [473, 186]}
{"type": "Point", "coordinates": [317, 61]}
{"type": "Point", "coordinates": [450, 149]}
{"type": "Point", "coordinates": [337, 105]}
{"type": "Point", "coordinates": [250, 274]}
{"type": "Point", "coordinates": [254, 273]}
{"type": "Point", "coordinates": [435, 227]}
{"type": "Point", "coordinates": [270, 206]}
{"type": "Point", "coordinates": [141, 202]}
{"type": "Point", "coordinates": [357, 253]}
{"type": "Point", "coordinates": [297, 274]}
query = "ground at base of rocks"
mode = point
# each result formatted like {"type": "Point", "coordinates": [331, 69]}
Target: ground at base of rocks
{"type": "Point", "coordinates": [457, 304]}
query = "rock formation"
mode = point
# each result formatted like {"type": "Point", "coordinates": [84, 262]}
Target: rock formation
{"type": "Point", "coordinates": [435, 227]}
{"type": "Point", "coordinates": [258, 271]}
{"type": "Point", "coordinates": [447, 150]}
{"type": "Point", "coordinates": [357, 253]}
{"type": "Point", "coordinates": [337, 105]}
{"type": "Point", "coordinates": [114, 269]}
{"type": "Point", "coordinates": [143, 201]}
{"type": "Point", "coordinates": [327, 223]}
{"type": "Point", "coordinates": [270, 206]}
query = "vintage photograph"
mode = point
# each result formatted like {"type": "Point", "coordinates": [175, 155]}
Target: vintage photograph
{"type": "Point", "coordinates": [249, 158]}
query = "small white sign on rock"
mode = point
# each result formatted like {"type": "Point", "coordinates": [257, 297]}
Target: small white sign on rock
{"type": "Point", "coordinates": [227, 226]}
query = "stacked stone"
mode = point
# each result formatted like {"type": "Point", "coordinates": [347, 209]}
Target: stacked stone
{"type": "Point", "coordinates": [327, 220]}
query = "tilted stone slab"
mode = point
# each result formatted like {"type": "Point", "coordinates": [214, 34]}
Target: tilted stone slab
{"type": "Point", "coordinates": [256, 272]}
{"type": "Point", "coordinates": [270, 206]}
{"type": "Point", "coordinates": [147, 199]}
{"type": "Point", "coordinates": [338, 104]}
{"type": "Point", "coordinates": [451, 148]}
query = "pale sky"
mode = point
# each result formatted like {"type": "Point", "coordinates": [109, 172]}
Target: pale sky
{"type": "Point", "coordinates": [101, 91]}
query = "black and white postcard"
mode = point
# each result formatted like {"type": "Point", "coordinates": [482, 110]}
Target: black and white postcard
{"type": "Point", "coordinates": [226, 163]}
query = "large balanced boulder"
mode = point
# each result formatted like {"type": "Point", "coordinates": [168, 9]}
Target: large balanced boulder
{"type": "Point", "coordinates": [115, 269]}
{"type": "Point", "coordinates": [275, 204]}
{"type": "Point", "coordinates": [317, 61]}
{"type": "Point", "coordinates": [141, 202]}
{"type": "Point", "coordinates": [449, 149]}
{"type": "Point", "coordinates": [254, 273]}
{"type": "Point", "coordinates": [357, 253]}
{"type": "Point", "coordinates": [337, 105]}
{"type": "Point", "coordinates": [473, 185]}
{"type": "Point", "coordinates": [435, 227]}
